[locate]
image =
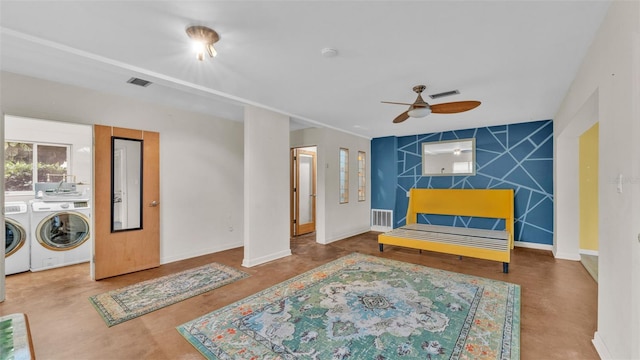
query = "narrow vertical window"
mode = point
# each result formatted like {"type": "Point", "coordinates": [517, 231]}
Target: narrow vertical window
{"type": "Point", "coordinates": [362, 178]}
{"type": "Point", "coordinates": [344, 175]}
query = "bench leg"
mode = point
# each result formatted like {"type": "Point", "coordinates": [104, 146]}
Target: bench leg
{"type": "Point", "coordinates": [380, 246]}
{"type": "Point", "coordinates": [505, 267]}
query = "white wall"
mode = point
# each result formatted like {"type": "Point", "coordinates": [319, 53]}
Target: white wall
{"type": "Point", "coordinates": [266, 186]}
{"type": "Point", "coordinates": [609, 74]}
{"type": "Point", "coordinates": [2, 268]}
{"type": "Point", "coordinates": [335, 221]}
{"type": "Point", "coordinates": [566, 144]}
{"type": "Point", "coordinates": [201, 158]}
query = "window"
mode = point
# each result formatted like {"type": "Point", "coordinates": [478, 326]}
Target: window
{"type": "Point", "coordinates": [362, 177]}
{"type": "Point", "coordinates": [463, 167]}
{"type": "Point", "coordinates": [20, 170]}
{"type": "Point", "coordinates": [344, 176]}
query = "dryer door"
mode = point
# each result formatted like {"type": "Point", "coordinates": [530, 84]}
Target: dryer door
{"type": "Point", "coordinates": [15, 236]}
{"type": "Point", "coordinates": [63, 230]}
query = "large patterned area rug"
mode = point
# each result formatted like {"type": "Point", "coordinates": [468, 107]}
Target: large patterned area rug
{"type": "Point", "coordinates": [124, 304]}
{"type": "Point", "coordinates": [365, 307]}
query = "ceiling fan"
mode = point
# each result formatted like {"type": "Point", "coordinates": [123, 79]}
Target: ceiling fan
{"type": "Point", "coordinates": [421, 108]}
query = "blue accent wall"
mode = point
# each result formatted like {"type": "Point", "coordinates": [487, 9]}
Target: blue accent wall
{"type": "Point", "coordinates": [383, 172]}
{"type": "Point", "coordinates": [515, 156]}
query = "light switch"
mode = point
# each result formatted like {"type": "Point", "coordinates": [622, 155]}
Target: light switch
{"type": "Point", "coordinates": [620, 180]}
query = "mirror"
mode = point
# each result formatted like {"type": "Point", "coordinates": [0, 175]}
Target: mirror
{"type": "Point", "coordinates": [126, 184]}
{"type": "Point", "coordinates": [449, 158]}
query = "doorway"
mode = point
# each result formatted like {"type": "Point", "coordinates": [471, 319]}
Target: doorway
{"type": "Point", "coordinates": [303, 190]}
{"type": "Point", "coordinates": [588, 192]}
{"type": "Point", "coordinates": [48, 173]}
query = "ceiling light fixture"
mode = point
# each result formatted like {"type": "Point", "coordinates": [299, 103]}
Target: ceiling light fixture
{"type": "Point", "coordinates": [203, 39]}
{"type": "Point", "coordinates": [457, 152]}
{"type": "Point", "coordinates": [329, 52]}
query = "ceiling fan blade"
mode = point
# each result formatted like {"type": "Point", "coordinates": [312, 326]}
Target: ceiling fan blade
{"type": "Point", "coordinates": [402, 117]}
{"type": "Point", "coordinates": [397, 103]}
{"type": "Point", "coordinates": [454, 107]}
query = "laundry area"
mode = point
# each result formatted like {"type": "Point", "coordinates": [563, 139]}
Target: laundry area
{"type": "Point", "coordinates": [47, 210]}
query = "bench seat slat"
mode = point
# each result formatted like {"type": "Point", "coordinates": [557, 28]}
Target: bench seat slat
{"type": "Point", "coordinates": [454, 230]}
{"type": "Point", "coordinates": [464, 240]}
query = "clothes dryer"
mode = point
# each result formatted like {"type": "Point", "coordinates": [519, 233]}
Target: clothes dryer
{"type": "Point", "coordinates": [16, 228]}
{"type": "Point", "coordinates": [60, 234]}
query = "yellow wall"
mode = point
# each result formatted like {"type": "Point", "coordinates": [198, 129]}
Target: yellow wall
{"type": "Point", "coordinates": [589, 189]}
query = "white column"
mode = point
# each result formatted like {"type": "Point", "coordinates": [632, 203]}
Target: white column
{"type": "Point", "coordinates": [266, 186]}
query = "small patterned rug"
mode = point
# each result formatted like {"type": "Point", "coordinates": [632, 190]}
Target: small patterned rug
{"type": "Point", "coordinates": [124, 304]}
{"type": "Point", "coordinates": [366, 307]}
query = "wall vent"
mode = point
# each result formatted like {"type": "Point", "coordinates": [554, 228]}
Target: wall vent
{"type": "Point", "coordinates": [139, 82]}
{"type": "Point", "coordinates": [443, 94]}
{"type": "Point", "coordinates": [381, 220]}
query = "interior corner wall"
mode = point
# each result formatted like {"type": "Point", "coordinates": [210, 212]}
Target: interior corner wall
{"type": "Point", "coordinates": [266, 186]}
{"type": "Point", "coordinates": [201, 158]}
{"type": "Point", "coordinates": [611, 70]}
{"type": "Point", "coordinates": [337, 221]}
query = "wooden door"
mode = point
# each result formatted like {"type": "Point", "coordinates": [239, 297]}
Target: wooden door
{"type": "Point", "coordinates": [122, 252]}
{"type": "Point", "coordinates": [304, 192]}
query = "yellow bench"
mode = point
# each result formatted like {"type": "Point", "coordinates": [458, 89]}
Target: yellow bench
{"type": "Point", "coordinates": [478, 243]}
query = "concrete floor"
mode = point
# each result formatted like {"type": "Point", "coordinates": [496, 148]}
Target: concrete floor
{"type": "Point", "coordinates": [558, 301]}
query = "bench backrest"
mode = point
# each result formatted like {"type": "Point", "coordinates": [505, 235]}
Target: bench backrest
{"type": "Point", "coordinates": [488, 203]}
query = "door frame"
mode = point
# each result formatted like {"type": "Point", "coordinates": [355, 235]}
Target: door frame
{"type": "Point", "coordinates": [294, 193]}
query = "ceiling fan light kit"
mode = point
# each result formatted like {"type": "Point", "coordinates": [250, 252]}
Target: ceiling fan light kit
{"type": "Point", "coordinates": [203, 39]}
{"type": "Point", "coordinates": [421, 108]}
{"type": "Point", "coordinates": [419, 112]}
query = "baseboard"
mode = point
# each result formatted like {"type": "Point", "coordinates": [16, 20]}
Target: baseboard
{"type": "Point", "coordinates": [261, 260]}
{"type": "Point", "coordinates": [601, 348]}
{"type": "Point", "coordinates": [557, 255]}
{"type": "Point", "coordinates": [206, 251]}
{"type": "Point", "coordinates": [531, 245]}
{"type": "Point", "coordinates": [589, 252]}
{"type": "Point", "coordinates": [346, 235]}
{"type": "Point", "coordinates": [378, 228]}
{"type": "Point", "coordinates": [567, 256]}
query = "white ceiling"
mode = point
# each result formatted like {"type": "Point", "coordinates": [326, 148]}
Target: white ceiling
{"type": "Point", "coordinates": [517, 57]}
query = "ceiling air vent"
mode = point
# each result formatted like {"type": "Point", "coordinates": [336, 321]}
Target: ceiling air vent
{"type": "Point", "coordinates": [139, 82]}
{"type": "Point", "coordinates": [443, 94]}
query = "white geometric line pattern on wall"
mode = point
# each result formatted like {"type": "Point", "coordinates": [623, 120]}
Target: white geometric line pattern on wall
{"type": "Point", "coordinates": [516, 156]}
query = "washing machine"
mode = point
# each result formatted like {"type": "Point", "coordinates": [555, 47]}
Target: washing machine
{"type": "Point", "coordinates": [60, 233]}
{"type": "Point", "coordinates": [17, 244]}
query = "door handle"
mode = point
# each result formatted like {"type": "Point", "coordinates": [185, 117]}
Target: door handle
{"type": "Point", "coordinates": [312, 195]}
{"type": "Point", "coordinates": [153, 203]}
